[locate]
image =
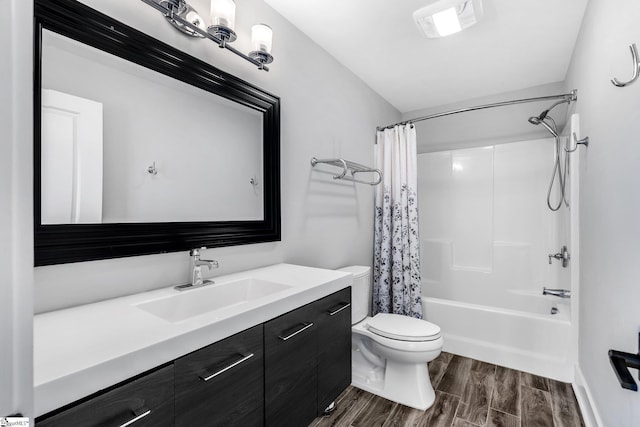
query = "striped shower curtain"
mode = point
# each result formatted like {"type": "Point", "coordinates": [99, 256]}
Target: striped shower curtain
{"type": "Point", "coordinates": [396, 265]}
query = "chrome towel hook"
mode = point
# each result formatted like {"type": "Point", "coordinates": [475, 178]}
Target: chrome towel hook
{"type": "Point", "coordinates": [152, 169]}
{"type": "Point", "coordinates": [636, 68]}
{"type": "Point", "coordinates": [584, 141]}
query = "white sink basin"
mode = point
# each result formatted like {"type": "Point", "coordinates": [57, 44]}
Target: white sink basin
{"type": "Point", "coordinates": [194, 302]}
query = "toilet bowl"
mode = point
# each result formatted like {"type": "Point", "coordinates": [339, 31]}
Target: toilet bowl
{"type": "Point", "coordinates": [389, 351]}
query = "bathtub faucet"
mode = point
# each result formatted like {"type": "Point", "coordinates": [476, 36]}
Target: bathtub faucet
{"type": "Point", "coordinates": [562, 293]}
{"type": "Point", "coordinates": [562, 255]}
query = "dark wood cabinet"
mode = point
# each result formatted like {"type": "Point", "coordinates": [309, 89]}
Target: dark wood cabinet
{"type": "Point", "coordinates": [334, 346]}
{"type": "Point", "coordinates": [281, 373]}
{"type": "Point", "coordinates": [222, 384]}
{"type": "Point", "coordinates": [307, 360]}
{"type": "Point", "coordinates": [290, 346]}
{"type": "Point", "coordinates": [148, 400]}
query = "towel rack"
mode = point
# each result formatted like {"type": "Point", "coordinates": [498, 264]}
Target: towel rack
{"type": "Point", "coordinates": [351, 167]}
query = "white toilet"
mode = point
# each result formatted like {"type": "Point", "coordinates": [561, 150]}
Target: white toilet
{"type": "Point", "coordinates": [389, 351]}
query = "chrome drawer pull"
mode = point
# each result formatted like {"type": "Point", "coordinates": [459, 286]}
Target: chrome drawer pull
{"type": "Point", "coordinates": [306, 326]}
{"type": "Point", "coordinates": [336, 311]}
{"type": "Point", "coordinates": [143, 413]}
{"type": "Point", "coordinates": [245, 357]}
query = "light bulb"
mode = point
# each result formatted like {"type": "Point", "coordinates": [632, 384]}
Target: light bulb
{"type": "Point", "coordinates": [447, 22]}
{"type": "Point", "coordinates": [223, 13]}
{"type": "Point", "coordinates": [261, 37]}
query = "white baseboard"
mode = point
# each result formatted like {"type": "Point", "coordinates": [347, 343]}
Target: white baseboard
{"type": "Point", "coordinates": [587, 405]}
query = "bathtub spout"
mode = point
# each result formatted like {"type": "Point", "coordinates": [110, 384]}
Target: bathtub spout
{"type": "Point", "coordinates": [562, 293]}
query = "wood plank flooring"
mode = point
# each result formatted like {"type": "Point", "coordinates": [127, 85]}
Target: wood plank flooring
{"type": "Point", "coordinates": [469, 393]}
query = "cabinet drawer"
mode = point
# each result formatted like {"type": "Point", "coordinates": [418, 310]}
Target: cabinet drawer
{"type": "Point", "coordinates": [334, 346]}
{"type": "Point", "coordinates": [148, 400]}
{"type": "Point", "coordinates": [222, 384]}
{"type": "Point", "coordinates": [290, 368]}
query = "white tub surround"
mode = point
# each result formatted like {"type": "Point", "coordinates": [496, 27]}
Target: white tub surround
{"type": "Point", "coordinates": [502, 248]}
{"type": "Point", "coordinates": [487, 235]}
{"type": "Point", "coordinates": [81, 350]}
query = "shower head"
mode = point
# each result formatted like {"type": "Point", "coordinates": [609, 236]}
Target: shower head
{"type": "Point", "coordinates": [540, 121]}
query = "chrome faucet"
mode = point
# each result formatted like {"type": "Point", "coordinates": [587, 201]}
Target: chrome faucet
{"type": "Point", "coordinates": [561, 293]}
{"type": "Point", "coordinates": [562, 255]}
{"type": "Point", "coordinates": [196, 270]}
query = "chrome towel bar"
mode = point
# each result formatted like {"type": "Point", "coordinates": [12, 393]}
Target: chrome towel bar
{"type": "Point", "coordinates": [351, 167]}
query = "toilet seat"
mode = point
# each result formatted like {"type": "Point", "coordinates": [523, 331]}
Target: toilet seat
{"type": "Point", "coordinates": [402, 328]}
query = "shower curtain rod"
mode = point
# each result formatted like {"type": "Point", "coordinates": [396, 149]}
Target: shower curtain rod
{"type": "Point", "coordinates": [569, 97]}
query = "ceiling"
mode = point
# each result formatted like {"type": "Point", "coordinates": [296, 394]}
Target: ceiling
{"type": "Point", "coordinates": [517, 44]}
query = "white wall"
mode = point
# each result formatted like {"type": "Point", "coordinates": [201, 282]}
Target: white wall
{"type": "Point", "coordinates": [610, 202]}
{"type": "Point", "coordinates": [326, 112]}
{"type": "Point", "coordinates": [16, 243]}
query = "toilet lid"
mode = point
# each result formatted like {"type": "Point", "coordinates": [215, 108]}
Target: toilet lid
{"type": "Point", "coordinates": [403, 328]}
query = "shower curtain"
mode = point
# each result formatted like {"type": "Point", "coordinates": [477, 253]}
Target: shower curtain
{"type": "Point", "coordinates": [396, 265]}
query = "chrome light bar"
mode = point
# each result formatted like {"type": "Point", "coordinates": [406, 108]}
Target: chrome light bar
{"type": "Point", "coordinates": [186, 19]}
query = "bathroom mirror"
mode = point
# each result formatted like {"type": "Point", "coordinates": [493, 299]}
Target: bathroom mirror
{"type": "Point", "coordinates": [141, 148]}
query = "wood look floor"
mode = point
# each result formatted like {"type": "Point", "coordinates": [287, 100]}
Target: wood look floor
{"type": "Point", "coordinates": [469, 393]}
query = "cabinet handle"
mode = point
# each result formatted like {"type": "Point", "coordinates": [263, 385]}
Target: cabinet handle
{"type": "Point", "coordinates": [139, 414]}
{"type": "Point", "coordinates": [305, 326]}
{"type": "Point", "coordinates": [334, 311]}
{"type": "Point", "coordinates": [244, 358]}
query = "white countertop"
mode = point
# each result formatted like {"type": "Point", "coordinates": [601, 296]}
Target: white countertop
{"type": "Point", "coordinates": [81, 350]}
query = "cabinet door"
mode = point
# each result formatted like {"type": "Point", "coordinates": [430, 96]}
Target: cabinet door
{"type": "Point", "coordinates": [290, 368]}
{"type": "Point", "coordinates": [222, 384]}
{"type": "Point", "coordinates": [334, 346]}
{"type": "Point", "coordinates": [144, 402]}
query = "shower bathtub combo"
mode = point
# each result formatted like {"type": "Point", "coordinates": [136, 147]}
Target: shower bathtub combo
{"type": "Point", "coordinates": [486, 235]}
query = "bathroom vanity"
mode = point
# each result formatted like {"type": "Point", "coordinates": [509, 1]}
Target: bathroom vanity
{"type": "Point", "coordinates": [273, 358]}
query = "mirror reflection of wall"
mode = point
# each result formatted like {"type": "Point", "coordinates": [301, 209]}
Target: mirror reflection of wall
{"type": "Point", "coordinates": [207, 150]}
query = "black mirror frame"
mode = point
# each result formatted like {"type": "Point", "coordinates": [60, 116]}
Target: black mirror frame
{"type": "Point", "coordinates": [65, 243]}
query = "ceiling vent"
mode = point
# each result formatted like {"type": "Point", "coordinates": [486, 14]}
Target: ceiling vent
{"type": "Point", "coordinates": [444, 17]}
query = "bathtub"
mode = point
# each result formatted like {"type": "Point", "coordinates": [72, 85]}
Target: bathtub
{"type": "Point", "coordinates": [533, 341]}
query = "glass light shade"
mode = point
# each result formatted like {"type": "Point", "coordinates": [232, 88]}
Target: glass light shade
{"type": "Point", "coordinates": [223, 13]}
{"type": "Point", "coordinates": [261, 37]}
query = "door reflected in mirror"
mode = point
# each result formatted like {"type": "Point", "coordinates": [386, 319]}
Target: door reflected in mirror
{"type": "Point", "coordinates": [122, 143]}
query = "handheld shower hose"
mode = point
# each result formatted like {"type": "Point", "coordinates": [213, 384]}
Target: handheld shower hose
{"type": "Point", "coordinates": [557, 168]}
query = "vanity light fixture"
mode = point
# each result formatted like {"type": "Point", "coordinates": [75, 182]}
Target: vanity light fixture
{"type": "Point", "coordinates": [222, 29]}
{"type": "Point", "coordinates": [444, 17]}
{"type": "Point", "coordinates": [261, 36]}
{"type": "Point", "coordinates": [223, 20]}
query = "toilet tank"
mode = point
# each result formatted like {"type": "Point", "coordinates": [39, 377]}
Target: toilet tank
{"type": "Point", "coordinates": [360, 291]}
